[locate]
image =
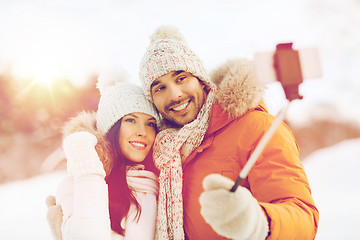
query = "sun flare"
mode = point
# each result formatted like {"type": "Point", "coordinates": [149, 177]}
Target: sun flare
{"type": "Point", "coordinates": [42, 70]}
{"type": "Point", "coordinates": [46, 74]}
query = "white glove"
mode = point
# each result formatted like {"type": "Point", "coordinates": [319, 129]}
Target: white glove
{"type": "Point", "coordinates": [235, 215]}
{"type": "Point", "coordinates": [54, 217]}
{"type": "Point", "coordinates": [82, 158]}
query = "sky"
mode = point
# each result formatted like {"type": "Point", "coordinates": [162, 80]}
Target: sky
{"type": "Point", "coordinates": [74, 39]}
{"type": "Point", "coordinates": [335, 188]}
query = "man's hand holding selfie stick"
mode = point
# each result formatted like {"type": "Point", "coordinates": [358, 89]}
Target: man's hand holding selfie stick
{"type": "Point", "coordinates": [230, 209]}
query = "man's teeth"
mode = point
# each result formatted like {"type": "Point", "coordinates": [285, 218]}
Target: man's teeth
{"type": "Point", "coordinates": [138, 144]}
{"type": "Point", "coordinates": [181, 107]}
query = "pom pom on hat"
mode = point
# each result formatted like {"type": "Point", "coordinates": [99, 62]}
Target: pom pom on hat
{"type": "Point", "coordinates": [167, 32]}
{"type": "Point", "coordinates": [119, 97]}
{"type": "Point", "coordinates": [110, 79]}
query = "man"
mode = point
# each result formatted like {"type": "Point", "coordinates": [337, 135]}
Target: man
{"type": "Point", "coordinates": [209, 133]}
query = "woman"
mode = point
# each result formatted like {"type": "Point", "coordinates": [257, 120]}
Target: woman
{"type": "Point", "coordinates": [112, 189]}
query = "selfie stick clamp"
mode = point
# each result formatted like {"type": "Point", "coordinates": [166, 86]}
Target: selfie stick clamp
{"type": "Point", "coordinates": [288, 72]}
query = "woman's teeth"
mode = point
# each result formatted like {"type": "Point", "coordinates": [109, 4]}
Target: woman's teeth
{"type": "Point", "coordinates": [138, 144]}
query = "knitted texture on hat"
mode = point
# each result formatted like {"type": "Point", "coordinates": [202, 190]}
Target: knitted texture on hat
{"type": "Point", "coordinates": [168, 51]}
{"type": "Point", "coordinates": [119, 98]}
{"type": "Point", "coordinates": [171, 147]}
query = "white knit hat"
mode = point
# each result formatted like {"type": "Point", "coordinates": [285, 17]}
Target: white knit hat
{"type": "Point", "coordinates": [168, 51]}
{"type": "Point", "coordinates": [118, 98]}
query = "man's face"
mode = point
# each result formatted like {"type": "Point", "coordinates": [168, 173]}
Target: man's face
{"type": "Point", "coordinates": [178, 96]}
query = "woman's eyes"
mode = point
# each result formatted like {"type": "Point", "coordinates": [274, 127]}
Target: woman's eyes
{"type": "Point", "coordinates": [130, 120]}
{"type": "Point", "coordinates": [152, 124]}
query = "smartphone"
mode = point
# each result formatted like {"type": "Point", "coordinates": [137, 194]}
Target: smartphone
{"type": "Point", "coordinates": [309, 64]}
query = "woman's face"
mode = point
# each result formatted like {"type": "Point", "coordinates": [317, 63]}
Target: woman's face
{"type": "Point", "coordinates": [136, 136]}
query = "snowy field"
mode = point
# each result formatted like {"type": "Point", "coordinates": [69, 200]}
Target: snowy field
{"type": "Point", "coordinates": [23, 209]}
{"type": "Point", "coordinates": [333, 174]}
{"type": "Point", "coordinates": [335, 182]}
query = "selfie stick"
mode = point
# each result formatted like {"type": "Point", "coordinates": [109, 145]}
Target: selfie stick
{"type": "Point", "coordinates": [288, 72]}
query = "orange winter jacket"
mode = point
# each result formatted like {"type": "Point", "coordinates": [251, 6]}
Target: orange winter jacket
{"type": "Point", "coordinates": [277, 180]}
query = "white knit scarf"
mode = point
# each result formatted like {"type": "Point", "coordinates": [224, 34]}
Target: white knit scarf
{"type": "Point", "coordinates": [171, 145]}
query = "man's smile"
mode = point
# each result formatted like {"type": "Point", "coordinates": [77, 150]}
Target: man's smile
{"type": "Point", "coordinates": [180, 107]}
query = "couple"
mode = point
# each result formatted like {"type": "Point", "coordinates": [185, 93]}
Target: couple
{"type": "Point", "coordinates": [208, 130]}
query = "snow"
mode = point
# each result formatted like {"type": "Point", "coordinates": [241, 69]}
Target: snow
{"type": "Point", "coordinates": [23, 208]}
{"type": "Point", "coordinates": [333, 174]}
{"type": "Point", "coordinates": [335, 183]}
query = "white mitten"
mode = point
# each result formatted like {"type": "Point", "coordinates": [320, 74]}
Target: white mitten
{"type": "Point", "coordinates": [82, 158]}
{"type": "Point", "coordinates": [235, 215]}
{"type": "Point", "coordinates": [54, 217]}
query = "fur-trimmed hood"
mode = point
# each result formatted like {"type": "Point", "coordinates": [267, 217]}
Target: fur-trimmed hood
{"type": "Point", "coordinates": [86, 121]}
{"type": "Point", "coordinates": [238, 91]}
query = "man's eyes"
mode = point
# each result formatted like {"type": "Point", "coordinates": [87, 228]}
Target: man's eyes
{"type": "Point", "coordinates": [180, 78]}
{"type": "Point", "coordinates": [159, 88]}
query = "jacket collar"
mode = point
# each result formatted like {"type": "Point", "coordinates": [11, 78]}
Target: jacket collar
{"type": "Point", "coordinates": [238, 92]}
{"type": "Point", "coordinates": [219, 118]}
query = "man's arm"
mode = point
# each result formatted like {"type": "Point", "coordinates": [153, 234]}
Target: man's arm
{"type": "Point", "coordinates": [279, 184]}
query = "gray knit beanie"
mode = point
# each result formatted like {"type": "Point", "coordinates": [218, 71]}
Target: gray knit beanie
{"type": "Point", "coordinates": [168, 51]}
{"type": "Point", "coordinates": [119, 98]}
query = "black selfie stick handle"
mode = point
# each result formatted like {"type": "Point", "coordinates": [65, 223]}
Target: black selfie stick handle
{"type": "Point", "coordinates": [238, 182]}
